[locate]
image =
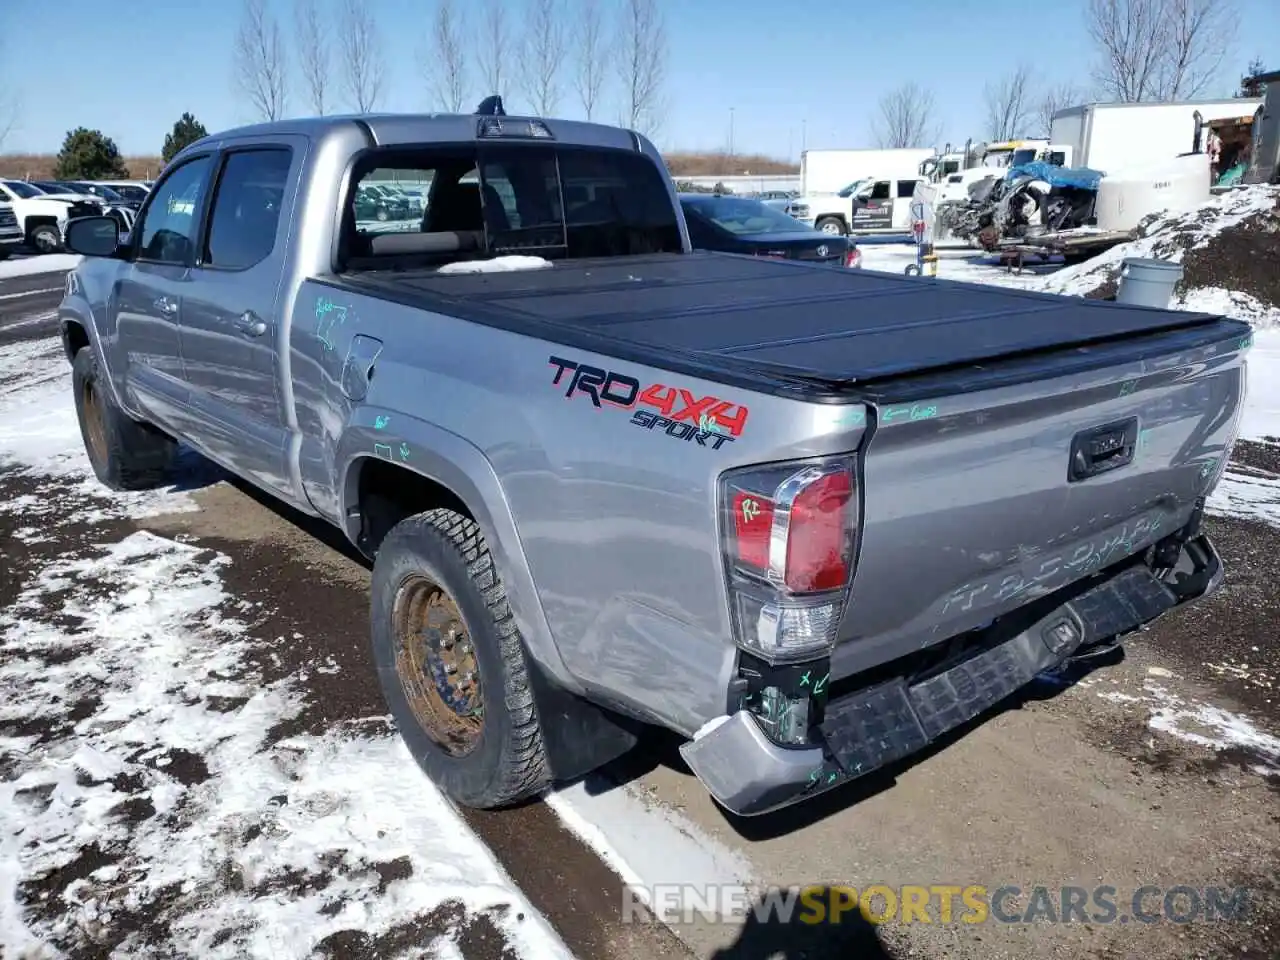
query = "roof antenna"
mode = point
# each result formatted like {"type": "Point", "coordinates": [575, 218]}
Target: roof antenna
{"type": "Point", "coordinates": [491, 107]}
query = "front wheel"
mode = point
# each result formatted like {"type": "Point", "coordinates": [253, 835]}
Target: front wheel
{"type": "Point", "coordinates": [451, 662]}
{"type": "Point", "coordinates": [124, 454]}
{"type": "Point", "coordinates": [45, 238]}
{"type": "Point", "coordinates": [832, 226]}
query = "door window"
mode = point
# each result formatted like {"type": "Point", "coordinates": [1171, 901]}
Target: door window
{"type": "Point", "coordinates": [880, 191]}
{"type": "Point", "coordinates": [169, 230]}
{"type": "Point", "coordinates": [906, 189]}
{"type": "Point", "coordinates": [246, 208]}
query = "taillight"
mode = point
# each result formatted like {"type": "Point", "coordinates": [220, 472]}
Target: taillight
{"type": "Point", "coordinates": [853, 257]}
{"type": "Point", "coordinates": [789, 550]}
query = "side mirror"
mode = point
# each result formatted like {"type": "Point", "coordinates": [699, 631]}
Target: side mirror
{"type": "Point", "coordinates": [93, 236]}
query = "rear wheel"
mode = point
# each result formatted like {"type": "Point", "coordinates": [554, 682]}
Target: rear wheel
{"type": "Point", "coordinates": [451, 662]}
{"type": "Point", "coordinates": [831, 225]}
{"type": "Point", "coordinates": [124, 454]}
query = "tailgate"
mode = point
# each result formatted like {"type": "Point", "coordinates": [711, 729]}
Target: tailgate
{"type": "Point", "coordinates": [978, 502]}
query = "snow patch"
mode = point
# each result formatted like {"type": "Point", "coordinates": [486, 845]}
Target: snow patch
{"type": "Point", "coordinates": [1228, 303]}
{"type": "Point", "coordinates": [47, 263]}
{"type": "Point", "coordinates": [143, 767]}
{"type": "Point", "coordinates": [1204, 725]}
{"type": "Point", "coordinates": [496, 265]}
{"type": "Point", "coordinates": [40, 437]}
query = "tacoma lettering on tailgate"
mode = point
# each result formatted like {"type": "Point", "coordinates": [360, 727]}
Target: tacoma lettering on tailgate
{"type": "Point", "coordinates": [678, 413]}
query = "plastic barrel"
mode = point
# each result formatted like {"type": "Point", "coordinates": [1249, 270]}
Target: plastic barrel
{"type": "Point", "coordinates": [1147, 283]}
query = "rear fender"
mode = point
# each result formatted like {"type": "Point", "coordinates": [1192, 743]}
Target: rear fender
{"type": "Point", "coordinates": [461, 467]}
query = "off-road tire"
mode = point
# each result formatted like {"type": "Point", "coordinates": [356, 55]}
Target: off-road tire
{"type": "Point", "coordinates": [509, 762]}
{"type": "Point", "coordinates": [831, 221]}
{"type": "Point", "coordinates": [124, 454]}
{"type": "Point", "coordinates": [4, 253]}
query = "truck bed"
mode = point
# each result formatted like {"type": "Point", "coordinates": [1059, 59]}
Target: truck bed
{"type": "Point", "coordinates": [795, 325]}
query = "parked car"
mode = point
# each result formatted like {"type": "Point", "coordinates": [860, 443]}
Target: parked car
{"type": "Point", "coordinates": [376, 202]}
{"type": "Point", "coordinates": [810, 519]}
{"type": "Point", "coordinates": [778, 199]}
{"type": "Point", "coordinates": [110, 202]}
{"type": "Point", "coordinates": [42, 215]}
{"type": "Point", "coordinates": [744, 225]}
{"type": "Point", "coordinates": [133, 190]}
{"type": "Point", "coordinates": [113, 196]}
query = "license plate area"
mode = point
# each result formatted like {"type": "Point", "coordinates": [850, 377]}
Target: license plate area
{"type": "Point", "coordinates": [1101, 449]}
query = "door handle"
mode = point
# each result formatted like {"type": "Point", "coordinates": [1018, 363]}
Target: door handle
{"type": "Point", "coordinates": [166, 306]}
{"type": "Point", "coordinates": [249, 324]}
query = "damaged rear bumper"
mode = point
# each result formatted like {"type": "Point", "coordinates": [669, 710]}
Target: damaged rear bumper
{"type": "Point", "coordinates": [864, 730]}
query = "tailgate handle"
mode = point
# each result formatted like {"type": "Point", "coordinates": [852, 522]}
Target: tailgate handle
{"type": "Point", "coordinates": [1104, 448]}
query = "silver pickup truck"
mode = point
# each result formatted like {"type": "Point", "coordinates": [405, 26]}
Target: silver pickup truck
{"type": "Point", "coordinates": [811, 519]}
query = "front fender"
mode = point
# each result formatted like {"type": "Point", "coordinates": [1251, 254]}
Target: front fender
{"type": "Point", "coordinates": [458, 465]}
{"type": "Point", "coordinates": [75, 310]}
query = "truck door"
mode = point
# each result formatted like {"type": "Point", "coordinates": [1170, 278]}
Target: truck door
{"type": "Point", "coordinates": [231, 320]}
{"type": "Point", "coordinates": [874, 210]}
{"type": "Point", "coordinates": [901, 210]}
{"type": "Point", "coordinates": [147, 301]}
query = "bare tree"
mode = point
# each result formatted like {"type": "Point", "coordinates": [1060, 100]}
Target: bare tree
{"type": "Point", "coordinates": [1052, 100]}
{"type": "Point", "coordinates": [1152, 50]}
{"type": "Point", "coordinates": [494, 50]}
{"type": "Point", "coordinates": [260, 62]}
{"type": "Point", "coordinates": [906, 118]}
{"type": "Point", "coordinates": [362, 59]}
{"type": "Point", "coordinates": [313, 53]}
{"type": "Point", "coordinates": [592, 46]}
{"type": "Point", "coordinates": [447, 78]}
{"type": "Point", "coordinates": [542, 54]}
{"type": "Point", "coordinates": [1200, 35]}
{"type": "Point", "coordinates": [8, 107]}
{"type": "Point", "coordinates": [1007, 103]}
{"type": "Point", "coordinates": [642, 63]}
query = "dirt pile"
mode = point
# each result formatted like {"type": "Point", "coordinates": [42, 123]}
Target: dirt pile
{"type": "Point", "coordinates": [1230, 244]}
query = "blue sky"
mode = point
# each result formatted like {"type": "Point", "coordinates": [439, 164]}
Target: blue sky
{"type": "Point", "coordinates": [805, 68]}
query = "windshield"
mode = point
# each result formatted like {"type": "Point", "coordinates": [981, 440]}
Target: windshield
{"type": "Point", "coordinates": [107, 194]}
{"type": "Point", "coordinates": [130, 192]}
{"type": "Point", "coordinates": [65, 188]}
{"type": "Point", "coordinates": [743, 216]}
{"type": "Point", "coordinates": [1022, 156]}
{"type": "Point", "coordinates": [24, 190]}
{"type": "Point", "coordinates": [852, 188]}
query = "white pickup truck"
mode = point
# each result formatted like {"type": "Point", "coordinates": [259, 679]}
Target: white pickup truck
{"type": "Point", "coordinates": [864, 206]}
{"type": "Point", "coordinates": [42, 217]}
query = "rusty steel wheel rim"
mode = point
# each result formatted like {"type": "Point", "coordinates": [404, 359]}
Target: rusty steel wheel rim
{"type": "Point", "coordinates": [436, 665]}
{"type": "Point", "coordinates": [95, 426]}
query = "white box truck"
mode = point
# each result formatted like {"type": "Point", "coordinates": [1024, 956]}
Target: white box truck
{"type": "Point", "coordinates": [829, 171]}
{"type": "Point", "coordinates": [1120, 137]}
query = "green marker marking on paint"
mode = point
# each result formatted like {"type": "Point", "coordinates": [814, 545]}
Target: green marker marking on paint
{"type": "Point", "coordinates": [404, 451]}
{"type": "Point", "coordinates": [380, 422]}
{"type": "Point", "coordinates": [382, 450]}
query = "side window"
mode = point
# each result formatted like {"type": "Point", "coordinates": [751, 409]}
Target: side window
{"type": "Point", "coordinates": [169, 230]}
{"type": "Point", "coordinates": [906, 189]}
{"type": "Point", "coordinates": [246, 208]}
{"type": "Point", "coordinates": [880, 191]}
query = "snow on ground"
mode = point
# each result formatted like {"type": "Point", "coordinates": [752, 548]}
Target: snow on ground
{"type": "Point", "coordinates": [46, 263]}
{"type": "Point", "coordinates": [148, 778]}
{"type": "Point", "coordinates": [40, 437]}
{"type": "Point", "coordinates": [1200, 723]}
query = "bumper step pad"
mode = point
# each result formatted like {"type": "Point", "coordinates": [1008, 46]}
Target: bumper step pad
{"type": "Point", "coordinates": [874, 727]}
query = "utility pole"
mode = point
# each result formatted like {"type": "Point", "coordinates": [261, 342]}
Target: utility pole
{"type": "Point", "coordinates": [804, 134]}
{"type": "Point", "coordinates": [731, 133]}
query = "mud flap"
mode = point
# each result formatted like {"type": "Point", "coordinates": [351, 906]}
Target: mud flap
{"type": "Point", "coordinates": [578, 735]}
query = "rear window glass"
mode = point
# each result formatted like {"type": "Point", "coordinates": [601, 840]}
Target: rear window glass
{"type": "Point", "coordinates": [470, 203]}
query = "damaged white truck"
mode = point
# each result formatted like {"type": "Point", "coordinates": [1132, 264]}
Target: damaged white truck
{"type": "Point", "coordinates": [810, 519]}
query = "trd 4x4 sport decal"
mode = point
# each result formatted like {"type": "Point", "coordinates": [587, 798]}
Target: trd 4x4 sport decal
{"type": "Point", "coordinates": [706, 421]}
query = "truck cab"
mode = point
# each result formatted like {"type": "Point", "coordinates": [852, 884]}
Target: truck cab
{"type": "Point", "coordinates": [868, 206]}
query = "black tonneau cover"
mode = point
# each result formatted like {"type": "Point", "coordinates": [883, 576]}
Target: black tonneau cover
{"type": "Point", "coordinates": [838, 326]}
